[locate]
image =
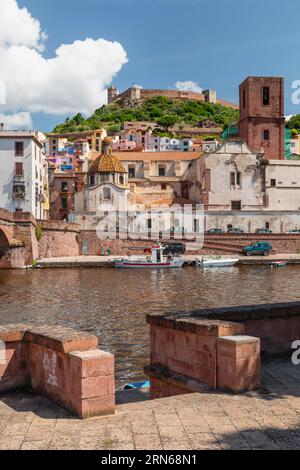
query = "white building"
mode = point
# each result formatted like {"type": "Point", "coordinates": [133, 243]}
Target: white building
{"type": "Point", "coordinates": [23, 173]}
{"type": "Point", "coordinates": [167, 144]}
{"type": "Point", "coordinates": [240, 188]}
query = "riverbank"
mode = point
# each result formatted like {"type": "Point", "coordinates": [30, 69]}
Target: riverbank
{"type": "Point", "coordinates": [109, 261]}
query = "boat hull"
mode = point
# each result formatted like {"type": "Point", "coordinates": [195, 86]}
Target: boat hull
{"type": "Point", "coordinates": [206, 263]}
{"type": "Point", "coordinates": [125, 264]}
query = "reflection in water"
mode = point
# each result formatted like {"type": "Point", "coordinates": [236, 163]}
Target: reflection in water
{"type": "Point", "coordinates": [113, 303]}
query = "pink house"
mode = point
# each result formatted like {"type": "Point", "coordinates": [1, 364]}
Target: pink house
{"type": "Point", "coordinates": [124, 145]}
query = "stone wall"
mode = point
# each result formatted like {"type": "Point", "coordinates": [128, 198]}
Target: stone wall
{"type": "Point", "coordinates": [218, 348]}
{"type": "Point", "coordinates": [90, 244]}
{"type": "Point", "coordinates": [60, 363]}
{"type": "Point", "coordinates": [282, 243]}
{"type": "Point", "coordinates": [277, 325]}
{"type": "Point", "coordinates": [15, 257]}
{"type": "Point", "coordinates": [58, 239]}
{"type": "Point", "coordinates": [187, 354]}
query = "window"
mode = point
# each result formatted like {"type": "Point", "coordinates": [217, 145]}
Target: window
{"type": "Point", "coordinates": [244, 98]}
{"type": "Point", "coordinates": [149, 222]}
{"type": "Point", "coordinates": [161, 171]}
{"type": "Point", "coordinates": [236, 205]}
{"type": "Point", "coordinates": [92, 180]}
{"type": "Point", "coordinates": [19, 169]}
{"type": "Point", "coordinates": [131, 172]}
{"type": "Point", "coordinates": [121, 180]}
{"type": "Point", "coordinates": [104, 177]}
{"type": "Point", "coordinates": [64, 203]}
{"type": "Point", "coordinates": [273, 183]}
{"type": "Point", "coordinates": [106, 194]}
{"type": "Point", "coordinates": [64, 187]}
{"type": "Point", "coordinates": [235, 180]}
{"type": "Point", "coordinates": [163, 186]}
{"type": "Point", "coordinates": [268, 225]}
{"type": "Point", "coordinates": [266, 96]}
{"type": "Point", "coordinates": [266, 135]}
{"type": "Point", "coordinates": [19, 149]}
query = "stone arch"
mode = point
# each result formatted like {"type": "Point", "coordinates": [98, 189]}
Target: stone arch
{"type": "Point", "coordinates": [4, 243]}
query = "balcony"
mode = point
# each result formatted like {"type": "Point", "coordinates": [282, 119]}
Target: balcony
{"type": "Point", "coordinates": [19, 192]}
{"type": "Point", "coordinates": [19, 176]}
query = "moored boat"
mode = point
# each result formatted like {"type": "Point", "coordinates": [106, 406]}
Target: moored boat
{"type": "Point", "coordinates": [215, 262]}
{"type": "Point", "coordinates": [155, 260]}
{"type": "Point", "coordinates": [279, 263]}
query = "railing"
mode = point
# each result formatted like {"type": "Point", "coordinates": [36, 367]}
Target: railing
{"type": "Point", "coordinates": [19, 175]}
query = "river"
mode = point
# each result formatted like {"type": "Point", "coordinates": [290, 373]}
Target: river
{"type": "Point", "coordinates": [113, 303]}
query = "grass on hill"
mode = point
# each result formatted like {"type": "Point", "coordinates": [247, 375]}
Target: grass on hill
{"type": "Point", "coordinates": [165, 112]}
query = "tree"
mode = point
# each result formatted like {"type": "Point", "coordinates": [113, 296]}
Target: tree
{"type": "Point", "coordinates": [167, 121]}
{"type": "Point", "coordinates": [294, 122]}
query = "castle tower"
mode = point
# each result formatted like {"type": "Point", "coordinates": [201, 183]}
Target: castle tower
{"type": "Point", "coordinates": [210, 96]}
{"type": "Point", "coordinates": [262, 121]}
{"type": "Point", "coordinates": [112, 93]}
{"type": "Point", "coordinates": [135, 93]}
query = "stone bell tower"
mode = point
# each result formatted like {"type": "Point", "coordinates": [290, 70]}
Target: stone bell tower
{"type": "Point", "coordinates": [262, 122]}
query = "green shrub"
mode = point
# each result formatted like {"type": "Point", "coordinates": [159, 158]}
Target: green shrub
{"type": "Point", "coordinates": [38, 232]}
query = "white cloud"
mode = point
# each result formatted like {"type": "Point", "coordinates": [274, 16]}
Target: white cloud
{"type": "Point", "coordinates": [188, 85]}
{"type": "Point", "coordinates": [18, 27]}
{"type": "Point", "coordinates": [16, 121]}
{"type": "Point", "coordinates": [74, 80]}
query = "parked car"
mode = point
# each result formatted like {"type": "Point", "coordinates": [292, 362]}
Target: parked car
{"type": "Point", "coordinates": [174, 248]}
{"type": "Point", "coordinates": [293, 231]}
{"type": "Point", "coordinates": [215, 230]}
{"type": "Point", "coordinates": [258, 248]}
{"type": "Point", "coordinates": [263, 230]}
{"type": "Point", "coordinates": [235, 230]}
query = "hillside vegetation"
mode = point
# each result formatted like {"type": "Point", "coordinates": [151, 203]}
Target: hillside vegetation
{"type": "Point", "coordinates": [165, 112]}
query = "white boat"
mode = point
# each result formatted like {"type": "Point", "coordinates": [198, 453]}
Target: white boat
{"type": "Point", "coordinates": [155, 260]}
{"type": "Point", "coordinates": [215, 262]}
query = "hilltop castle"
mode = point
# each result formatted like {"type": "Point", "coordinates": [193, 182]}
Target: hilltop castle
{"type": "Point", "coordinates": [135, 94]}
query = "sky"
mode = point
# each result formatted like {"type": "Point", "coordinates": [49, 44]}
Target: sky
{"type": "Point", "coordinates": [57, 56]}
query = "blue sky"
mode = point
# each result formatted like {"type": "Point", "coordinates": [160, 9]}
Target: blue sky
{"type": "Point", "coordinates": [216, 43]}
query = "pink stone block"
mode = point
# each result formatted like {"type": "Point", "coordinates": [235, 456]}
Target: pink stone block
{"type": "Point", "coordinates": [238, 362]}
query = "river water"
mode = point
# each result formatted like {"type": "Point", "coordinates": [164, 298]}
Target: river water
{"type": "Point", "coordinates": [113, 303]}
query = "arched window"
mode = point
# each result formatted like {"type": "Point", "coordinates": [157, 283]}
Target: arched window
{"type": "Point", "coordinates": [131, 171]}
{"type": "Point", "coordinates": [121, 180]}
{"type": "Point", "coordinates": [106, 194]}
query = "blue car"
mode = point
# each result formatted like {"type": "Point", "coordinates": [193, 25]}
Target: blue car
{"type": "Point", "coordinates": [258, 248]}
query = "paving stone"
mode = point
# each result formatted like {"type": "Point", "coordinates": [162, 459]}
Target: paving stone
{"type": "Point", "coordinates": [210, 421]}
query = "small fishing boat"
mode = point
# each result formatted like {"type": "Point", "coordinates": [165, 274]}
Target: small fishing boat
{"type": "Point", "coordinates": [279, 263]}
{"type": "Point", "coordinates": [155, 260]}
{"type": "Point", "coordinates": [215, 262]}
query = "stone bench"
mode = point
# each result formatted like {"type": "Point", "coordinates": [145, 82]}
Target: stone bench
{"type": "Point", "coordinates": [60, 363]}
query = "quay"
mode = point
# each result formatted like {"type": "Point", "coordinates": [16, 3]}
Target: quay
{"type": "Point", "coordinates": [219, 379]}
{"type": "Point", "coordinates": [108, 261]}
{"type": "Point", "coordinates": [268, 418]}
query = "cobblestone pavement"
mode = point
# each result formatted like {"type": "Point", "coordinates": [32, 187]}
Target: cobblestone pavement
{"type": "Point", "coordinates": [265, 419]}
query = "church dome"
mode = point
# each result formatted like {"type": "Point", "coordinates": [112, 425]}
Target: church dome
{"type": "Point", "coordinates": [107, 162]}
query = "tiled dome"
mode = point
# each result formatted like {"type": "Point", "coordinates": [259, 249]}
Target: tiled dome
{"type": "Point", "coordinates": [106, 162]}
